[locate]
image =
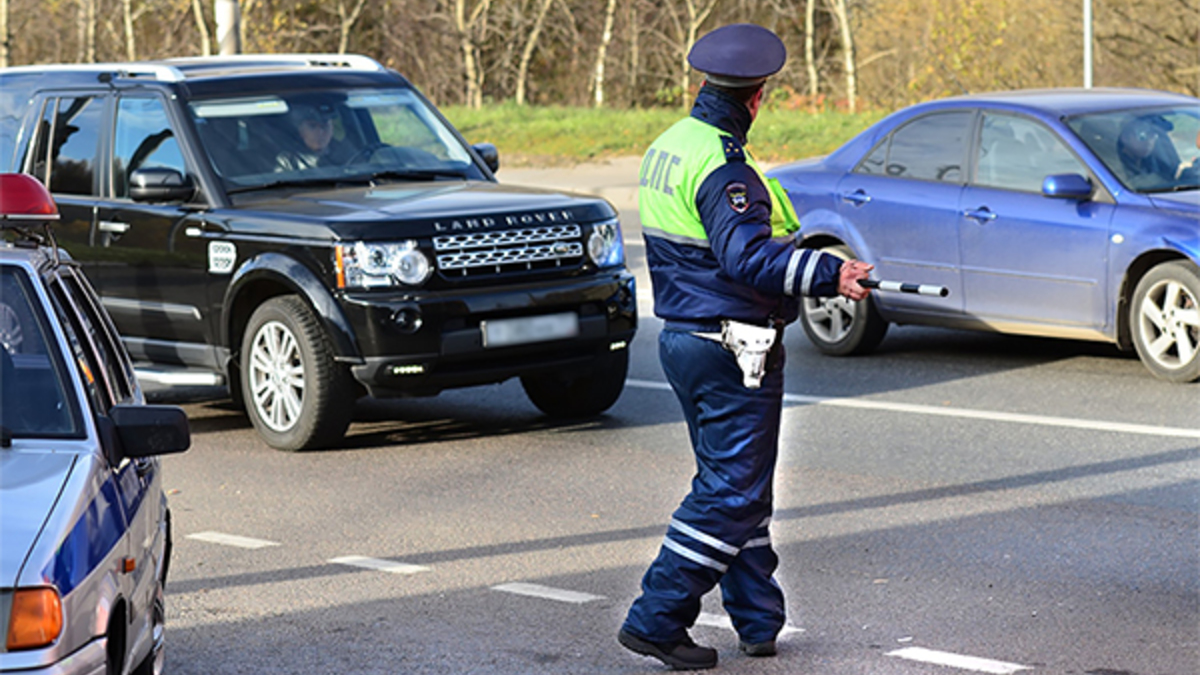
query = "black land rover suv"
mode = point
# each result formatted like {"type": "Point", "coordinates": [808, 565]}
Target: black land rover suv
{"type": "Point", "coordinates": [307, 229]}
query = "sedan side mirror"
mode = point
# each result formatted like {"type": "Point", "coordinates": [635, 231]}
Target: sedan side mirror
{"type": "Point", "coordinates": [149, 430]}
{"type": "Point", "coordinates": [160, 184]}
{"type": "Point", "coordinates": [1067, 186]}
{"type": "Point", "coordinates": [489, 154]}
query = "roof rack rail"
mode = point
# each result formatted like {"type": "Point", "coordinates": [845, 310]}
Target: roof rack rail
{"type": "Point", "coordinates": [354, 61]}
{"type": "Point", "coordinates": [131, 70]}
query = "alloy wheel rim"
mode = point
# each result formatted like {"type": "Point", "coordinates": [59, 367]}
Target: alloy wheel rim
{"type": "Point", "coordinates": [159, 631]}
{"type": "Point", "coordinates": [831, 319]}
{"type": "Point", "coordinates": [277, 376]}
{"type": "Point", "coordinates": [1169, 321]}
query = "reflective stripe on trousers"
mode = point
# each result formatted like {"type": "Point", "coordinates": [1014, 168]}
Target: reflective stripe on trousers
{"type": "Point", "coordinates": [719, 534]}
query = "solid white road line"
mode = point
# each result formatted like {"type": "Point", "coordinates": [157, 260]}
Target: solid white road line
{"type": "Point", "coordinates": [957, 661]}
{"type": "Point", "coordinates": [389, 566]}
{"type": "Point", "coordinates": [231, 540]}
{"type": "Point", "coordinates": [965, 413]}
{"type": "Point", "coordinates": [723, 621]}
{"type": "Point", "coordinates": [547, 593]}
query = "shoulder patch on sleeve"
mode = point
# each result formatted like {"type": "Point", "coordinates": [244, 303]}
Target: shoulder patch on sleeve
{"type": "Point", "coordinates": [737, 197]}
{"type": "Point", "coordinates": [734, 152]}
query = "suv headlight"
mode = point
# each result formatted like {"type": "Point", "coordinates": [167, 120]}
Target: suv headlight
{"type": "Point", "coordinates": [605, 246]}
{"type": "Point", "coordinates": [372, 264]}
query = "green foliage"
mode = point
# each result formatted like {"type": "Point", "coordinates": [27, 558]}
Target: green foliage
{"type": "Point", "coordinates": [555, 135]}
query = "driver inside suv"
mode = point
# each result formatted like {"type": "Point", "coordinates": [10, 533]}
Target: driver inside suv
{"type": "Point", "coordinates": [314, 144]}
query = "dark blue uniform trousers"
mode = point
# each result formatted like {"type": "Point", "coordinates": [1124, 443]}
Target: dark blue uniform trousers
{"type": "Point", "coordinates": [719, 533]}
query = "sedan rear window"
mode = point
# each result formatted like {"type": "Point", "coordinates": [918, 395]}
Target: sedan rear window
{"type": "Point", "coordinates": [932, 147]}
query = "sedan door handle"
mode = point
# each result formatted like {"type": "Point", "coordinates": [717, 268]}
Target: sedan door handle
{"type": "Point", "coordinates": [113, 227]}
{"type": "Point", "coordinates": [981, 214]}
{"type": "Point", "coordinates": [858, 198]}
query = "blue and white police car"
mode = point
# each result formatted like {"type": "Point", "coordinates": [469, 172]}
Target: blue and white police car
{"type": "Point", "coordinates": [85, 534]}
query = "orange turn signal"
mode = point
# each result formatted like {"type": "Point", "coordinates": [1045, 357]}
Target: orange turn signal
{"type": "Point", "coordinates": [36, 619]}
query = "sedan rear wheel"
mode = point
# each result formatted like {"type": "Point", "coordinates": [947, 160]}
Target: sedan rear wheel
{"type": "Point", "coordinates": [839, 326]}
{"type": "Point", "coordinates": [1165, 319]}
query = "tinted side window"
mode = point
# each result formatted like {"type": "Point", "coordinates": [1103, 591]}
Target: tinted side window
{"type": "Point", "coordinates": [1016, 153]}
{"type": "Point", "coordinates": [74, 137]}
{"type": "Point", "coordinates": [876, 162]}
{"type": "Point", "coordinates": [101, 367]}
{"type": "Point", "coordinates": [932, 147]}
{"type": "Point", "coordinates": [143, 140]}
{"type": "Point", "coordinates": [112, 358]}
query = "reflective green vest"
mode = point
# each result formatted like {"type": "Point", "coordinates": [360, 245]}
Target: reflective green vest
{"type": "Point", "coordinates": [675, 167]}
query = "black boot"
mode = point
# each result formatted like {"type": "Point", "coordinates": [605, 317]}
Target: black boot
{"type": "Point", "coordinates": [757, 648]}
{"type": "Point", "coordinates": [680, 655]}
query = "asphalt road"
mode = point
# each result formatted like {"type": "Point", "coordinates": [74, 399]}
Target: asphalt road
{"type": "Point", "coordinates": [985, 502]}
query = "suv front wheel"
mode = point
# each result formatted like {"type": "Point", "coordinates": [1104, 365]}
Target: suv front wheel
{"type": "Point", "coordinates": [296, 394]}
{"type": "Point", "coordinates": [569, 396]}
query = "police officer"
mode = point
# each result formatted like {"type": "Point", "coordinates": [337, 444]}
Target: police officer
{"type": "Point", "coordinates": [726, 278]}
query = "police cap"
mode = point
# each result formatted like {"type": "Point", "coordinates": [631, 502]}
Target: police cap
{"type": "Point", "coordinates": [738, 55]}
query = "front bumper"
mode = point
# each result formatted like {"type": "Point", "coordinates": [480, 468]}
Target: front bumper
{"type": "Point", "coordinates": [418, 344]}
{"type": "Point", "coordinates": [91, 659]}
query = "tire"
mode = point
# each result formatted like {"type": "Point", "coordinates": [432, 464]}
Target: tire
{"type": "Point", "coordinates": [296, 394]}
{"type": "Point", "coordinates": [839, 326]}
{"type": "Point", "coordinates": [153, 663]}
{"type": "Point", "coordinates": [583, 395]}
{"type": "Point", "coordinates": [1164, 318]}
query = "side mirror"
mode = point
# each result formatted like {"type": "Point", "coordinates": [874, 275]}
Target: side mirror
{"type": "Point", "coordinates": [160, 184]}
{"type": "Point", "coordinates": [489, 154]}
{"type": "Point", "coordinates": [149, 430]}
{"type": "Point", "coordinates": [1067, 186]}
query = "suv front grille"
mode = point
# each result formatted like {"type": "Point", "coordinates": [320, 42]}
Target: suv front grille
{"type": "Point", "coordinates": [482, 253]}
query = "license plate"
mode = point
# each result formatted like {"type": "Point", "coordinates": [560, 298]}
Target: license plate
{"type": "Point", "coordinates": [505, 332]}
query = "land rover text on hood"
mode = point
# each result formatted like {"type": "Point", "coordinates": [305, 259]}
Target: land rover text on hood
{"type": "Point", "coordinates": [307, 229]}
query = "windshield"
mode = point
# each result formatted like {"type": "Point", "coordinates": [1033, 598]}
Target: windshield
{"type": "Point", "coordinates": [33, 400]}
{"type": "Point", "coordinates": [323, 136]}
{"type": "Point", "coordinates": [1149, 150]}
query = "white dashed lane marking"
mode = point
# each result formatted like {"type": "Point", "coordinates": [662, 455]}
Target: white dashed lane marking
{"type": "Point", "coordinates": [547, 593]}
{"type": "Point", "coordinates": [379, 565]}
{"type": "Point", "coordinates": [957, 661]}
{"type": "Point", "coordinates": [231, 540]}
{"type": "Point", "coordinates": [723, 621]}
{"type": "Point", "coordinates": [966, 413]}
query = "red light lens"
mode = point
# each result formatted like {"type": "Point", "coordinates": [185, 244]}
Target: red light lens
{"type": "Point", "coordinates": [22, 197]}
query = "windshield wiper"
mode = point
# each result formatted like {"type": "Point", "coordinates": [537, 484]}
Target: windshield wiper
{"type": "Point", "coordinates": [301, 182]}
{"type": "Point", "coordinates": [416, 174]}
{"type": "Point", "coordinates": [5, 437]}
{"type": "Point", "coordinates": [1184, 187]}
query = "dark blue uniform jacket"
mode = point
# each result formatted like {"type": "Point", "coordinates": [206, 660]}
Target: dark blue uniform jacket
{"type": "Point", "coordinates": [744, 274]}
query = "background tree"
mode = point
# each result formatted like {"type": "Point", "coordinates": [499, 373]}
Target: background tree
{"type": "Point", "coordinates": [601, 53]}
{"type": "Point", "coordinates": [471, 51]}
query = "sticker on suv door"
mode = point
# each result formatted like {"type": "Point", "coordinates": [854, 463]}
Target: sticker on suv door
{"type": "Point", "coordinates": [221, 257]}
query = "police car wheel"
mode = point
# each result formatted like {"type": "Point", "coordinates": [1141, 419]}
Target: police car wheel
{"type": "Point", "coordinates": [586, 395]}
{"type": "Point", "coordinates": [153, 663]}
{"type": "Point", "coordinates": [296, 394]}
{"type": "Point", "coordinates": [839, 326]}
{"type": "Point", "coordinates": [1164, 318]}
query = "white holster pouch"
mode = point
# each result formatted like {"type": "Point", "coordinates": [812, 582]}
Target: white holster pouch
{"type": "Point", "coordinates": [750, 344]}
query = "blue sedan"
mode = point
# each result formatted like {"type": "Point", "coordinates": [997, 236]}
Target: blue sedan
{"type": "Point", "coordinates": [1065, 213]}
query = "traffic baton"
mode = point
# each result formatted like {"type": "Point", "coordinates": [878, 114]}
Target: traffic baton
{"type": "Point", "coordinates": [901, 287]}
